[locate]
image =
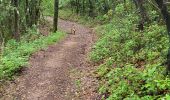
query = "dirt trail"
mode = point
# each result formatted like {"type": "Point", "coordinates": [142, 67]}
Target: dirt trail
{"type": "Point", "coordinates": [58, 73]}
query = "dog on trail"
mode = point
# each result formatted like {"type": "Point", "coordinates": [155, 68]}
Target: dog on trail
{"type": "Point", "coordinates": [73, 29]}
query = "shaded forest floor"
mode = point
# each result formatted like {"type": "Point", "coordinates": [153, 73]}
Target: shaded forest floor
{"type": "Point", "coordinates": [61, 72]}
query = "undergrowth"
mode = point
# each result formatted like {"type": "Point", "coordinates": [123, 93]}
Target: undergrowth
{"type": "Point", "coordinates": [66, 13]}
{"type": "Point", "coordinates": [130, 61]}
{"type": "Point", "coordinates": [15, 55]}
{"type": "Point", "coordinates": [70, 15]}
{"type": "Point", "coordinates": [48, 7]}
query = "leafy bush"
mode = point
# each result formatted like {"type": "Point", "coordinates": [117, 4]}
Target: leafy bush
{"type": "Point", "coordinates": [16, 54]}
{"type": "Point", "coordinates": [48, 7]}
{"type": "Point", "coordinates": [130, 61]}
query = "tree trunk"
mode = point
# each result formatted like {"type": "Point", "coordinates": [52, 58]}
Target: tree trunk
{"type": "Point", "coordinates": [56, 7]}
{"type": "Point", "coordinates": [77, 6]}
{"type": "Point", "coordinates": [16, 21]}
{"type": "Point", "coordinates": [83, 9]}
{"type": "Point", "coordinates": [90, 8]}
{"type": "Point", "coordinates": [37, 11]}
{"type": "Point", "coordinates": [27, 13]}
{"type": "Point", "coordinates": [144, 16]}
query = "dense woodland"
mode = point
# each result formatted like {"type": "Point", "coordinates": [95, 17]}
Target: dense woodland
{"type": "Point", "coordinates": [16, 16]}
{"type": "Point", "coordinates": [132, 50]}
{"type": "Point", "coordinates": [132, 53]}
{"type": "Point", "coordinates": [20, 33]}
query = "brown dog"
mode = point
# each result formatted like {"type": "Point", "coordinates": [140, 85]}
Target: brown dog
{"type": "Point", "coordinates": [73, 29]}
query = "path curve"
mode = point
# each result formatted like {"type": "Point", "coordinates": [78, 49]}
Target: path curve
{"type": "Point", "coordinates": [48, 77]}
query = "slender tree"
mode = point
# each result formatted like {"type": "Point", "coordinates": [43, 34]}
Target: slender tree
{"type": "Point", "coordinates": [143, 13]}
{"type": "Point", "coordinates": [90, 8]}
{"type": "Point", "coordinates": [27, 12]}
{"type": "Point", "coordinates": [77, 6]}
{"type": "Point", "coordinates": [56, 7]}
{"type": "Point", "coordinates": [16, 23]}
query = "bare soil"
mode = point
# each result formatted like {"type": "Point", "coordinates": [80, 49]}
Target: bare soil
{"type": "Point", "coordinates": [60, 72]}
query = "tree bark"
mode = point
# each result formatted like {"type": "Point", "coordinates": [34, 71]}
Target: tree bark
{"type": "Point", "coordinates": [90, 8]}
{"type": "Point", "coordinates": [16, 21]}
{"type": "Point", "coordinates": [56, 7]}
{"type": "Point", "coordinates": [83, 8]}
{"type": "Point", "coordinates": [27, 13]}
{"type": "Point", "coordinates": [144, 16]}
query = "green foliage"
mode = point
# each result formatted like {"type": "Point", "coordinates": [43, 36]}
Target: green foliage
{"type": "Point", "coordinates": [28, 13]}
{"type": "Point", "coordinates": [63, 3]}
{"type": "Point", "coordinates": [48, 7]}
{"type": "Point", "coordinates": [130, 61]}
{"type": "Point", "coordinates": [93, 12]}
{"type": "Point", "coordinates": [16, 54]}
{"type": "Point", "coordinates": [67, 14]}
{"type": "Point", "coordinates": [5, 16]}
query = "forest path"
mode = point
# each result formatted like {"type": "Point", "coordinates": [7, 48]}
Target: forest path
{"type": "Point", "coordinates": [59, 73]}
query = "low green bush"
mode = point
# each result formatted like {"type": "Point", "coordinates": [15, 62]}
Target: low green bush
{"type": "Point", "coordinates": [16, 54]}
{"type": "Point", "coordinates": [130, 61]}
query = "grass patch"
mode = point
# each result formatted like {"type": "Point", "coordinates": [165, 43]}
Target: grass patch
{"type": "Point", "coordinates": [16, 54]}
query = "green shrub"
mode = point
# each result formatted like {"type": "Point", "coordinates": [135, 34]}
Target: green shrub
{"type": "Point", "coordinates": [16, 54]}
{"type": "Point", "coordinates": [130, 61]}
